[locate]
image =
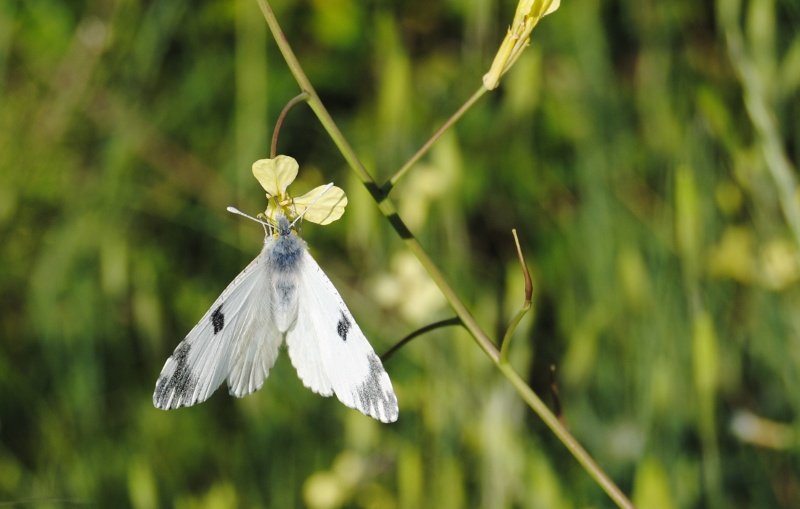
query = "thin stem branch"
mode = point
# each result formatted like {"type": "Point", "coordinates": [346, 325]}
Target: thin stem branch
{"type": "Point", "coordinates": [387, 187]}
{"type": "Point", "coordinates": [526, 304]}
{"type": "Point", "coordinates": [273, 149]}
{"type": "Point", "coordinates": [525, 272]}
{"type": "Point", "coordinates": [435, 325]}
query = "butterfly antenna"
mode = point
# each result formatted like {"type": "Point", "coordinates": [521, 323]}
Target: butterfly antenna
{"type": "Point", "coordinates": [248, 216]}
{"type": "Point", "coordinates": [330, 185]}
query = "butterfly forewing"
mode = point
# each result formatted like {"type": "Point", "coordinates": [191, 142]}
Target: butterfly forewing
{"type": "Point", "coordinates": [233, 340]}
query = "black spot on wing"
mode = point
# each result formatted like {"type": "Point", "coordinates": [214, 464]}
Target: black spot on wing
{"type": "Point", "coordinates": [182, 381]}
{"type": "Point", "coordinates": [218, 319]}
{"type": "Point", "coordinates": [374, 400]}
{"type": "Point", "coordinates": [343, 327]}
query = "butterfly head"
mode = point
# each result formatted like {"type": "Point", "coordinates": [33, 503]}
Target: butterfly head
{"type": "Point", "coordinates": [280, 226]}
{"type": "Point", "coordinates": [283, 227]}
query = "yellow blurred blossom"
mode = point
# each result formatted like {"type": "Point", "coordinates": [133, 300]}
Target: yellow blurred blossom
{"type": "Point", "coordinates": [771, 263]}
{"type": "Point", "coordinates": [275, 175]}
{"type": "Point", "coordinates": [734, 255]}
{"type": "Point", "coordinates": [779, 268]}
{"type": "Point", "coordinates": [408, 277]}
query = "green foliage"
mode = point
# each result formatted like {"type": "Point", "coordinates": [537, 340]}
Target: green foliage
{"type": "Point", "coordinates": [645, 153]}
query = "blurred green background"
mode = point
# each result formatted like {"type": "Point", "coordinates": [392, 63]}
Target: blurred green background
{"type": "Point", "coordinates": [645, 152]}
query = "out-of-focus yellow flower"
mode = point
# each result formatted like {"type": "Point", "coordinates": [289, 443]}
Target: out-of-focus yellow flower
{"type": "Point", "coordinates": [528, 14]}
{"type": "Point", "coordinates": [275, 175]}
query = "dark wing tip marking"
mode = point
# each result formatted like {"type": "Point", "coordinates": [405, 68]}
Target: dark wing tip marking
{"type": "Point", "coordinates": [171, 390]}
{"type": "Point", "coordinates": [343, 327]}
{"type": "Point", "coordinates": [218, 319]}
{"type": "Point", "coordinates": [375, 401]}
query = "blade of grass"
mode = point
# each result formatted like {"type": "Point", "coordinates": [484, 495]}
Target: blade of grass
{"type": "Point", "coordinates": [763, 118]}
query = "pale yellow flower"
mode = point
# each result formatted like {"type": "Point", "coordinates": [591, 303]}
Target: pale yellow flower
{"type": "Point", "coordinates": [275, 175]}
{"type": "Point", "coordinates": [528, 14]}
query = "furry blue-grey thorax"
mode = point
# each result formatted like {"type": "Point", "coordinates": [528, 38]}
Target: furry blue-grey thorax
{"type": "Point", "coordinates": [288, 248]}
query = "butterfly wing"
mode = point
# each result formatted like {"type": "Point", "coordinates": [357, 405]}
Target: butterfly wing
{"type": "Point", "coordinates": [235, 339]}
{"type": "Point", "coordinates": [330, 352]}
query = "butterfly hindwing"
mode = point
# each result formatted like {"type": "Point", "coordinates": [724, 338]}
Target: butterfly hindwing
{"type": "Point", "coordinates": [330, 352]}
{"type": "Point", "coordinates": [254, 339]}
{"type": "Point", "coordinates": [235, 340]}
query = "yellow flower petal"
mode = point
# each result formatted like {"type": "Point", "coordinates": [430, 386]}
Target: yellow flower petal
{"type": "Point", "coordinates": [327, 208]}
{"type": "Point", "coordinates": [275, 175]}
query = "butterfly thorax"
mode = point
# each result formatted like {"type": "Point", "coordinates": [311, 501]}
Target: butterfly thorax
{"type": "Point", "coordinates": [285, 251]}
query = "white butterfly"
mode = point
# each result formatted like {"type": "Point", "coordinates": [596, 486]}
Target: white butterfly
{"type": "Point", "coordinates": [282, 294]}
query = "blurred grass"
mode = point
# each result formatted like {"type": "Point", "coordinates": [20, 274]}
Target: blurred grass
{"type": "Point", "coordinates": [621, 147]}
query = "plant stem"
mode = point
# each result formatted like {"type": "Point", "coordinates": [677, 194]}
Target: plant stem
{"type": "Point", "coordinates": [388, 209]}
{"type": "Point", "coordinates": [385, 205]}
{"type": "Point", "coordinates": [526, 303]}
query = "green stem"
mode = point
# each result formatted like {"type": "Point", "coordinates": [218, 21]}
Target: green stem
{"type": "Point", "coordinates": [526, 304]}
{"type": "Point", "coordinates": [385, 205]}
{"type": "Point", "coordinates": [505, 345]}
{"type": "Point", "coordinates": [388, 209]}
